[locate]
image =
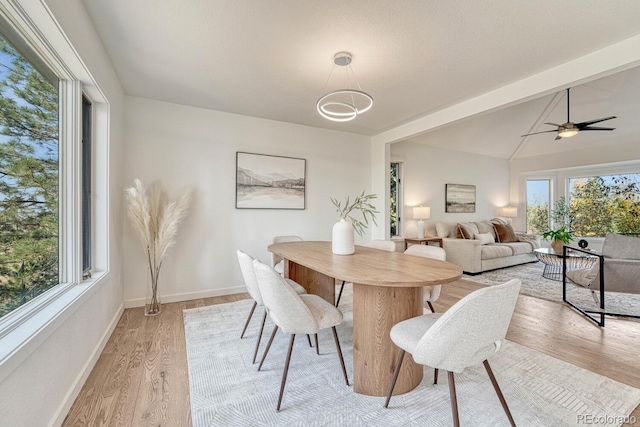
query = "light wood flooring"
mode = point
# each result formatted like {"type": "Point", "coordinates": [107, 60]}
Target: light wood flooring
{"type": "Point", "coordinates": [141, 376]}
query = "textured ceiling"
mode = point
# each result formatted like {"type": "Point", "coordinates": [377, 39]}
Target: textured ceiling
{"type": "Point", "coordinates": [271, 58]}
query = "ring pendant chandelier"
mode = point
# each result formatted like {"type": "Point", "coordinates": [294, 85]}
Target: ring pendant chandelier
{"type": "Point", "coordinates": [343, 105]}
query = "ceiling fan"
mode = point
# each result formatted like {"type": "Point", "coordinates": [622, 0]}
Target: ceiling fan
{"type": "Point", "coordinates": [570, 129]}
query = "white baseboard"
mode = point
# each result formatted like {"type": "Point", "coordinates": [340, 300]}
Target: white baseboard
{"type": "Point", "coordinates": [73, 392]}
{"type": "Point", "coordinates": [139, 302]}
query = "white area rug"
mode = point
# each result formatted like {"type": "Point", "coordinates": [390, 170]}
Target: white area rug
{"type": "Point", "coordinates": [227, 390]}
{"type": "Point", "coordinates": [533, 284]}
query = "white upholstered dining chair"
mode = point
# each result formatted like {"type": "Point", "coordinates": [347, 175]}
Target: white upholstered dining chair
{"type": "Point", "coordinates": [295, 314]}
{"type": "Point", "coordinates": [277, 262]}
{"type": "Point", "coordinates": [467, 334]}
{"type": "Point", "coordinates": [431, 293]}
{"type": "Point", "coordinates": [385, 245]}
{"type": "Point", "coordinates": [250, 281]}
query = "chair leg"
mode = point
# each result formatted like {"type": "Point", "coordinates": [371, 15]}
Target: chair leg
{"type": "Point", "coordinates": [285, 371]}
{"type": "Point", "coordinates": [335, 338]}
{"type": "Point", "coordinates": [255, 352]}
{"type": "Point", "coordinates": [431, 306]}
{"type": "Point", "coordinates": [395, 378]}
{"type": "Point", "coordinates": [248, 319]}
{"type": "Point", "coordinates": [595, 298]}
{"type": "Point", "coordinates": [266, 350]}
{"type": "Point", "coordinates": [435, 376]}
{"type": "Point", "coordinates": [454, 400]}
{"type": "Point", "coordinates": [498, 392]}
{"type": "Point", "coordinates": [317, 346]}
{"type": "Point", "coordinates": [309, 339]}
{"type": "Point", "coordinates": [340, 294]}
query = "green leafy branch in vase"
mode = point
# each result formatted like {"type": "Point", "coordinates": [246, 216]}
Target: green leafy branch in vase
{"type": "Point", "coordinates": [361, 203]}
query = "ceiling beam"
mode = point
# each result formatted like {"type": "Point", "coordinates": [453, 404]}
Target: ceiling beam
{"type": "Point", "coordinates": [606, 61]}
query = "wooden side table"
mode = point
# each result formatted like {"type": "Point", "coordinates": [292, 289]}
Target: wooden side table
{"type": "Point", "coordinates": [423, 241]}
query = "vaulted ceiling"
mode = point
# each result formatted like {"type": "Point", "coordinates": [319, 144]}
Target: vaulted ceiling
{"type": "Point", "coordinates": [271, 59]}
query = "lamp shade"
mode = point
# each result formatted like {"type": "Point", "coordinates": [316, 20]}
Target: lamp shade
{"type": "Point", "coordinates": [509, 212]}
{"type": "Point", "coordinates": [421, 212]}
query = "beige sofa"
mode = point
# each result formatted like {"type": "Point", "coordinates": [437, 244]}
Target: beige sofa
{"type": "Point", "coordinates": [475, 256]}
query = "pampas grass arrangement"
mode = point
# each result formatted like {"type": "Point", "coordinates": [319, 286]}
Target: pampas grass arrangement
{"type": "Point", "coordinates": [156, 224]}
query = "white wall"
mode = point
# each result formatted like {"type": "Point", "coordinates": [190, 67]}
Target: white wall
{"type": "Point", "coordinates": [41, 388]}
{"type": "Point", "coordinates": [428, 169]}
{"type": "Point", "coordinates": [193, 148]}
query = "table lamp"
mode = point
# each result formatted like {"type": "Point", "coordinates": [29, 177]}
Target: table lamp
{"type": "Point", "coordinates": [420, 213]}
{"type": "Point", "coordinates": [510, 212]}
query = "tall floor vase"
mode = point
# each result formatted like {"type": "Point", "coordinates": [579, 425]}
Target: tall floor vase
{"type": "Point", "coordinates": [152, 305]}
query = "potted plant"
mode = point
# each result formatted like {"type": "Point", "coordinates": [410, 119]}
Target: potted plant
{"type": "Point", "coordinates": [558, 238]}
{"type": "Point", "coordinates": [342, 237]}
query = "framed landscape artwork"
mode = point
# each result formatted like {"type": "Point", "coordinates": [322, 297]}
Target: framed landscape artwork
{"type": "Point", "coordinates": [460, 198]}
{"type": "Point", "coordinates": [269, 182]}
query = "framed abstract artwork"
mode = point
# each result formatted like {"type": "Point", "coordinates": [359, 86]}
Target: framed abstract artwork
{"type": "Point", "coordinates": [269, 182]}
{"type": "Point", "coordinates": [460, 198]}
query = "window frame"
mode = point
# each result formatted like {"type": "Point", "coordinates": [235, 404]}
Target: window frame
{"type": "Point", "coordinates": [86, 184]}
{"type": "Point", "coordinates": [550, 181]}
{"type": "Point", "coordinates": [560, 179]}
{"type": "Point", "coordinates": [399, 200]}
{"type": "Point", "coordinates": [595, 171]}
{"type": "Point", "coordinates": [24, 329]}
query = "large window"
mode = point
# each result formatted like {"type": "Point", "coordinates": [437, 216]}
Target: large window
{"type": "Point", "coordinates": [604, 203]}
{"type": "Point", "coordinates": [538, 198]}
{"type": "Point", "coordinates": [29, 193]}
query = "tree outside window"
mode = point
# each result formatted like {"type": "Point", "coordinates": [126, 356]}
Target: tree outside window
{"type": "Point", "coordinates": [605, 204]}
{"type": "Point", "coordinates": [393, 199]}
{"type": "Point", "coordinates": [28, 181]}
{"type": "Point", "coordinates": [537, 205]}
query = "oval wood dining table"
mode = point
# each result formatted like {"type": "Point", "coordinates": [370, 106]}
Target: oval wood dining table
{"type": "Point", "coordinates": [387, 289]}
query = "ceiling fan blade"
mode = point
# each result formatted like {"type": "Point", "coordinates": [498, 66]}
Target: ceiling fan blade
{"type": "Point", "coordinates": [590, 122]}
{"type": "Point", "coordinates": [552, 124]}
{"type": "Point", "coordinates": [596, 128]}
{"type": "Point", "coordinates": [536, 133]}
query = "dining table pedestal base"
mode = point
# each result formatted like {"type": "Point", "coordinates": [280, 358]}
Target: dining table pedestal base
{"type": "Point", "coordinates": [375, 356]}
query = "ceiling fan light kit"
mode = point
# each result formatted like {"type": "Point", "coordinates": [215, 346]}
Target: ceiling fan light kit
{"type": "Point", "coordinates": [569, 129]}
{"type": "Point", "coordinates": [343, 105]}
{"type": "Point", "coordinates": [567, 132]}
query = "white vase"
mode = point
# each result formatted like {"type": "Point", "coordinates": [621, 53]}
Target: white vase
{"type": "Point", "coordinates": [342, 238]}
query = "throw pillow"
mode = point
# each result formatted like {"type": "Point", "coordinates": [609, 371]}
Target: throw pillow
{"type": "Point", "coordinates": [467, 230]}
{"type": "Point", "coordinates": [485, 238]}
{"type": "Point", "coordinates": [505, 233]}
{"type": "Point", "coordinates": [486, 227]}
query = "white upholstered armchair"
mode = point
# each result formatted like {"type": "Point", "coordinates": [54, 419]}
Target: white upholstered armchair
{"type": "Point", "coordinates": [461, 337]}
{"type": "Point", "coordinates": [616, 270]}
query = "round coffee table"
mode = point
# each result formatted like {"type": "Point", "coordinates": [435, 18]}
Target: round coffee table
{"type": "Point", "coordinates": [552, 261]}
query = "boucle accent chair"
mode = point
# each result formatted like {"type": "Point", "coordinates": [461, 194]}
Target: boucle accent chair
{"type": "Point", "coordinates": [617, 270]}
{"type": "Point", "coordinates": [276, 260]}
{"type": "Point", "coordinates": [385, 245]}
{"type": "Point", "coordinates": [430, 293]}
{"type": "Point", "coordinates": [467, 334]}
{"type": "Point", "coordinates": [295, 314]}
{"type": "Point", "coordinates": [250, 281]}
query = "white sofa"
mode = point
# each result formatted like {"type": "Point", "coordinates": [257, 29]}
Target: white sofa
{"type": "Point", "coordinates": [474, 257]}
